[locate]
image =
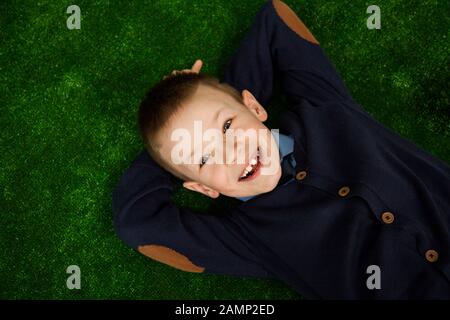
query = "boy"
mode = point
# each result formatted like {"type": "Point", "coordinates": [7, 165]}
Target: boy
{"type": "Point", "coordinates": [342, 195]}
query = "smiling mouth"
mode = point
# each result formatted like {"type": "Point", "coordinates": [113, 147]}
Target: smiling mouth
{"type": "Point", "coordinates": [252, 169]}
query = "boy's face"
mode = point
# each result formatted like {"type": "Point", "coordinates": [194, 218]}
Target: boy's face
{"type": "Point", "coordinates": [221, 145]}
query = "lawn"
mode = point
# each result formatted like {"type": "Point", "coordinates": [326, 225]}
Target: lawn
{"type": "Point", "coordinates": [69, 98]}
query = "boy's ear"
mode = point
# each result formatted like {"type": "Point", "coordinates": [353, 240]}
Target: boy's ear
{"type": "Point", "coordinates": [253, 105]}
{"type": "Point", "coordinates": [199, 187]}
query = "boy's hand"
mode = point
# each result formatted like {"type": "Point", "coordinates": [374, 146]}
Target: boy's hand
{"type": "Point", "coordinates": [195, 68]}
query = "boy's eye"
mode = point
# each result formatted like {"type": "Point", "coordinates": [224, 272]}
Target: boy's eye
{"type": "Point", "coordinates": [226, 125]}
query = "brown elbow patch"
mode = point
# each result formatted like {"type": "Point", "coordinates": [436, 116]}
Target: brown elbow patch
{"type": "Point", "coordinates": [169, 256]}
{"type": "Point", "coordinates": [293, 21]}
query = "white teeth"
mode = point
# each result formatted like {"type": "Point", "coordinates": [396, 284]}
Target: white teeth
{"type": "Point", "coordinates": [252, 163]}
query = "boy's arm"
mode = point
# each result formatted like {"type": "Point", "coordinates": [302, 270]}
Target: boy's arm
{"type": "Point", "coordinates": [278, 41]}
{"type": "Point", "coordinates": [146, 219]}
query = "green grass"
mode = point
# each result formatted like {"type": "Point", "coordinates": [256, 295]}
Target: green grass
{"type": "Point", "coordinates": [68, 108]}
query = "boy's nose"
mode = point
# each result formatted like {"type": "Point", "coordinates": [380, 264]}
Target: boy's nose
{"type": "Point", "coordinates": [234, 153]}
{"type": "Point", "coordinates": [230, 154]}
{"type": "Point", "coordinates": [240, 154]}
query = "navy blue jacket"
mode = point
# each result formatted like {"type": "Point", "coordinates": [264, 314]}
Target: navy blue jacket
{"type": "Point", "coordinates": [363, 195]}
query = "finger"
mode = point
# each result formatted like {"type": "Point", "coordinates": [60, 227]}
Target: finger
{"type": "Point", "coordinates": [181, 71]}
{"type": "Point", "coordinates": [197, 66]}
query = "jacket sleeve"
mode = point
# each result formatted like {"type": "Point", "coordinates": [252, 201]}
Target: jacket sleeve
{"type": "Point", "coordinates": [147, 220]}
{"type": "Point", "coordinates": [278, 42]}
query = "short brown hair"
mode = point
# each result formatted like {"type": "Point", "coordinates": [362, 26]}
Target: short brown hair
{"type": "Point", "coordinates": [165, 98]}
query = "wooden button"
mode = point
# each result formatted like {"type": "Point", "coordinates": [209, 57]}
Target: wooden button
{"type": "Point", "coordinates": [387, 217]}
{"type": "Point", "coordinates": [344, 191]}
{"type": "Point", "coordinates": [300, 175]}
{"type": "Point", "coordinates": [431, 255]}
